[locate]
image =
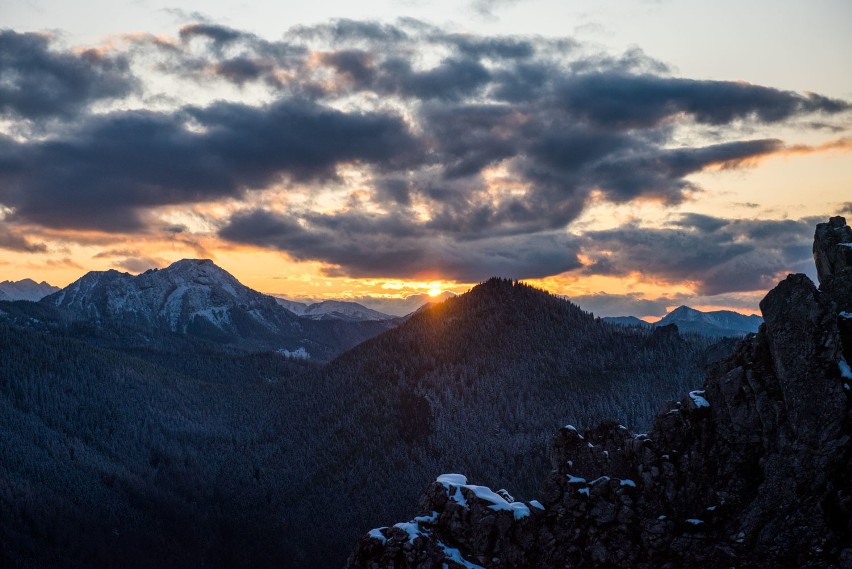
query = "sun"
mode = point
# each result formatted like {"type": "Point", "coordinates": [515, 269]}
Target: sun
{"type": "Point", "coordinates": [433, 292]}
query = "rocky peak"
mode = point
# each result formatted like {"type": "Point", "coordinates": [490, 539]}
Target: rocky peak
{"type": "Point", "coordinates": [833, 257]}
{"type": "Point", "coordinates": [832, 247]}
{"type": "Point", "coordinates": [25, 289]}
{"type": "Point", "coordinates": [750, 470]}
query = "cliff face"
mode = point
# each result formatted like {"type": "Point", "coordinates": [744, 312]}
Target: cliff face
{"type": "Point", "coordinates": [752, 470]}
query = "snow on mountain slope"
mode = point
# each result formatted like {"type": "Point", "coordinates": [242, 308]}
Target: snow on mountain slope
{"type": "Point", "coordinates": [334, 310]}
{"type": "Point", "coordinates": [715, 323]}
{"type": "Point", "coordinates": [26, 289]}
{"type": "Point", "coordinates": [175, 297]}
{"type": "Point", "coordinates": [340, 310]}
{"type": "Point", "coordinates": [293, 306]}
{"type": "Point", "coordinates": [196, 297]}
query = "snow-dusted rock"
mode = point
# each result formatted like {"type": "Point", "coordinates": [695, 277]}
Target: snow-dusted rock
{"type": "Point", "coordinates": [26, 289]}
{"type": "Point", "coordinates": [752, 470]}
{"type": "Point", "coordinates": [198, 298]}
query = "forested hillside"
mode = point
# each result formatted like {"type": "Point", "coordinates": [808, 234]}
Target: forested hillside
{"type": "Point", "coordinates": [138, 450]}
{"type": "Point", "coordinates": [109, 460]}
{"type": "Point", "coordinates": [750, 471]}
{"type": "Point", "coordinates": [476, 385]}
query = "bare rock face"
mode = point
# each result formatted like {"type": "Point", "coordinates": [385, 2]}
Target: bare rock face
{"type": "Point", "coordinates": [753, 470]}
{"type": "Point", "coordinates": [832, 247]}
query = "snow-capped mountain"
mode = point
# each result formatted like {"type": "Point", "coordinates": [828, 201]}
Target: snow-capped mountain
{"type": "Point", "coordinates": [716, 323]}
{"type": "Point", "coordinates": [334, 310]}
{"type": "Point", "coordinates": [26, 289]}
{"type": "Point", "coordinates": [293, 306]}
{"type": "Point", "coordinates": [198, 298]}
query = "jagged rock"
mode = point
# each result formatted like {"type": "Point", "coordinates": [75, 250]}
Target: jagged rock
{"type": "Point", "coordinates": [832, 247]}
{"type": "Point", "coordinates": [833, 252]}
{"type": "Point", "coordinates": [752, 470]}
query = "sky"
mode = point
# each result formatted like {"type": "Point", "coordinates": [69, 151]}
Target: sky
{"type": "Point", "coordinates": [630, 155]}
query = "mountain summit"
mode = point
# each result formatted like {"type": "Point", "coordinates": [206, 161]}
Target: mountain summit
{"type": "Point", "coordinates": [750, 470]}
{"type": "Point", "coordinates": [475, 384]}
{"type": "Point", "coordinates": [334, 310]}
{"type": "Point", "coordinates": [26, 289]}
{"type": "Point", "coordinates": [714, 323]}
{"type": "Point", "coordinates": [198, 298]}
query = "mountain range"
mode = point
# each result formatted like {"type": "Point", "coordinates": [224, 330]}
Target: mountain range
{"type": "Point", "coordinates": [750, 470]}
{"type": "Point", "coordinates": [475, 384]}
{"type": "Point", "coordinates": [716, 323]}
{"type": "Point", "coordinates": [155, 408]}
{"type": "Point", "coordinates": [334, 310]}
{"type": "Point", "coordinates": [26, 289]}
{"type": "Point", "coordinates": [196, 298]}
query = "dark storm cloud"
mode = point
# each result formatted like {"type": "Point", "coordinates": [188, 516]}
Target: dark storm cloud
{"type": "Point", "coordinates": [220, 35]}
{"type": "Point", "coordinates": [661, 173]}
{"type": "Point", "coordinates": [621, 100]}
{"type": "Point", "coordinates": [717, 255]}
{"type": "Point", "coordinates": [39, 82]}
{"type": "Point", "coordinates": [354, 64]}
{"type": "Point", "coordinates": [478, 151]}
{"type": "Point", "coordinates": [118, 164]}
{"type": "Point", "coordinates": [701, 222]}
{"type": "Point", "coordinates": [14, 241]}
{"type": "Point", "coordinates": [240, 70]}
{"type": "Point", "coordinates": [387, 248]}
{"type": "Point", "coordinates": [345, 30]}
{"type": "Point", "coordinates": [493, 48]}
{"type": "Point", "coordinates": [452, 79]}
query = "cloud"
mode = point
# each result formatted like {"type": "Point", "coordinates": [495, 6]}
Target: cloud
{"type": "Point", "coordinates": [106, 173]}
{"type": "Point", "coordinates": [620, 100]}
{"type": "Point", "coordinates": [40, 82]}
{"type": "Point", "coordinates": [141, 264]}
{"type": "Point", "coordinates": [219, 35]}
{"type": "Point", "coordinates": [13, 241]}
{"type": "Point", "coordinates": [716, 255]}
{"type": "Point", "coordinates": [360, 247]}
{"type": "Point", "coordinates": [401, 149]}
{"type": "Point", "coordinates": [632, 304]}
{"type": "Point", "coordinates": [635, 304]}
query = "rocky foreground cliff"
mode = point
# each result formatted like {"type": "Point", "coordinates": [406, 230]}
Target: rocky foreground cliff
{"type": "Point", "coordinates": [752, 470]}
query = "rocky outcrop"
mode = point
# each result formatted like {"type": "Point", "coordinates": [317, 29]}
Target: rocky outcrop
{"type": "Point", "coordinates": [752, 470]}
{"type": "Point", "coordinates": [832, 248]}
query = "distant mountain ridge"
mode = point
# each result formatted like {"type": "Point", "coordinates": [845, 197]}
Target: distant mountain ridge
{"type": "Point", "coordinates": [751, 470]}
{"type": "Point", "coordinates": [197, 298]}
{"type": "Point", "coordinates": [475, 384]}
{"type": "Point", "coordinates": [716, 323]}
{"type": "Point", "coordinates": [244, 449]}
{"type": "Point", "coordinates": [25, 289]}
{"type": "Point", "coordinates": [334, 310]}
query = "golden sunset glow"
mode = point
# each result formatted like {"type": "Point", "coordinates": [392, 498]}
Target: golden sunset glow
{"type": "Point", "coordinates": [314, 167]}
